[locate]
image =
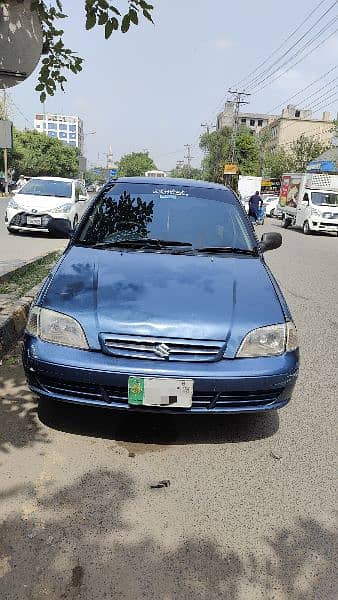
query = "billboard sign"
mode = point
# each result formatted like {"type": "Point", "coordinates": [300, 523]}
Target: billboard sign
{"type": "Point", "coordinates": [321, 166]}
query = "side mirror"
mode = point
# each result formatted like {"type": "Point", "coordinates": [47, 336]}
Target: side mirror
{"type": "Point", "coordinates": [270, 241]}
{"type": "Point", "coordinates": [60, 228]}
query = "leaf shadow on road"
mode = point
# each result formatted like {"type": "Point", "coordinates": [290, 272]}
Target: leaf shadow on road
{"type": "Point", "coordinates": [150, 428]}
{"type": "Point", "coordinates": [19, 425]}
{"type": "Point", "coordinates": [82, 541]}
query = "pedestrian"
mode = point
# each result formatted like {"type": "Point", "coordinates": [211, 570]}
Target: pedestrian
{"type": "Point", "coordinates": [21, 182]}
{"type": "Point", "coordinates": [255, 203]}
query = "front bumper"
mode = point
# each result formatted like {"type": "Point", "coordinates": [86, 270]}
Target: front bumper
{"type": "Point", "coordinates": [328, 225]}
{"type": "Point", "coordinates": [18, 220]}
{"type": "Point", "coordinates": [96, 379]}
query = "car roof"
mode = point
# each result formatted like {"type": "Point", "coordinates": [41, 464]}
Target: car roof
{"type": "Point", "coordinates": [66, 179]}
{"type": "Point", "coordinates": [172, 181]}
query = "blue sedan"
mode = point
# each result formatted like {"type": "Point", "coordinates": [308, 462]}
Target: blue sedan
{"type": "Point", "coordinates": [163, 302]}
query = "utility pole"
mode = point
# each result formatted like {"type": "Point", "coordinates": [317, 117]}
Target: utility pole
{"type": "Point", "coordinates": [238, 101]}
{"type": "Point", "coordinates": [208, 126]}
{"type": "Point", "coordinates": [188, 157]}
{"type": "Point", "coordinates": [5, 149]}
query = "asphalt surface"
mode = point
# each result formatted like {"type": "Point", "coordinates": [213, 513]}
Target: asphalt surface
{"type": "Point", "coordinates": [250, 510]}
{"type": "Point", "coordinates": [15, 250]}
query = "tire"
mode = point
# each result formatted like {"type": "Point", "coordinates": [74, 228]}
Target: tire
{"type": "Point", "coordinates": [75, 222]}
{"type": "Point", "coordinates": [272, 213]}
{"type": "Point", "coordinates": [286, 222]}
{"type": "Point", "coordinates": [306, 228]}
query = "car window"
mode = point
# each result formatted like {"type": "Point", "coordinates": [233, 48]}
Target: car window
{"type": "Point", "coordinates": [47, 187]}
{"type": "Point", "coordinates": [200, 216]}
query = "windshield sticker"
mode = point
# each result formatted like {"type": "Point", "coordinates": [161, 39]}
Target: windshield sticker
{"type": "Point", "coordinates": [169, 193]}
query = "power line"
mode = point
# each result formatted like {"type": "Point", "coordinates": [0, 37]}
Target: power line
{"type": "Point", "coordinates": [257, 78]}
{"type": "Point", "coordinates": [261, 88]}
{"type": "Point", "coordinates": [302, 90]}
{"type": "Point", "coordinates": [281, 45]}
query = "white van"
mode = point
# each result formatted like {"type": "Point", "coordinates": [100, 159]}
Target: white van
{"type": "Point", "coordinates": [309, 201]}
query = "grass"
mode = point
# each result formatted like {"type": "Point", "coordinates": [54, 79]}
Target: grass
{"type": "Point", "coordinates": [19, 283]}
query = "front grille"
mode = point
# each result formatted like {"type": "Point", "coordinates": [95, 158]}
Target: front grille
{"type": "Point", "coordinates": [153, 348]}
{"type": "Point", "coordinates": [20, 220]}
{"type": "Point", "coordinates": [119, 395]}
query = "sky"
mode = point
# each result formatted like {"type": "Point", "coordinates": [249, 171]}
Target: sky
{"type": "Point", "coordinates": [153, 87]}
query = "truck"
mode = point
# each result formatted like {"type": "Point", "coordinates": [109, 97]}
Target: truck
{"type": "Point", "coordinates": [309, 201]}
{"type": "Point", "coordinates": [248, 185]}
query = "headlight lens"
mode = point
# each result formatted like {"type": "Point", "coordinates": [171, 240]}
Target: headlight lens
{"type": "Point", "coordinates": [55, 327]}
{"type": "Point", "coordinates": [269, 341]}
{"type": "Point", "coordinates": [64, 208]}
{"type": "Point", "coordinates": [13, 204]}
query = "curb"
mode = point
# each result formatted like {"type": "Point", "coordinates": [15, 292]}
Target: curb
{"type": "Point", "coordinates": [12, 325]}
{"type": "Point", "coordinates": [16, 271]}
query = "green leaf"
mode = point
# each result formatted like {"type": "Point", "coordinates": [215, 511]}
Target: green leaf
{"type": "Point", "coordinates": [59, 5]}
{"type": "Point", "coordinates": [103, 3]}
{"type": "Point", "coordinates": [91, 20]}
{"type": "Point", "coordinates": [39, 87]}
{"type": "Point", "coordinates": [125, 23]}
{"type": "Point", "coordinates": [147, 15]}
{"type": "Point", "coordinates": [108, 30]}
{"type": "Point", "coordinates": [103, 18]}
{"type": "Point", "coordinates": [133, 16]}
{"type": "Point", "coordinates": [43, 96]}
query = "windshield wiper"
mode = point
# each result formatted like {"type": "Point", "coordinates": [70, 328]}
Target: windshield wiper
{"type": "Point", "coordinates": [227, 250]}
{"type": "Point", "coordinates": [141, 243]}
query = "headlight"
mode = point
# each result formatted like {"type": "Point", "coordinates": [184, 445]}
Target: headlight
{"type": "Point", "coordinates": [316, 213]}
{"type": "Point", "coordinates": [13, 204]}
{"type": "Point", "coordinates": [55, 327]}
{"type": "Point", "coordinates": [64, 208]}
{"type": "Point", "coordinates": [269, 341]}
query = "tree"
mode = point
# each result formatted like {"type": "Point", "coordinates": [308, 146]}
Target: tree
{"type": "Point", "coordinates": [58, 58]}
{"type": "Point", "coordinates": [186, 172]}
{"type": "Point", "coordinates": [92, 176]}
{"type": "Point", "coordinates": [37, 154]}
{"type": "Point", "coordinates": [135, 164]}
{"type": "Point", "coordinates": [216, 146]}
{"type": "Point", "coordinates": [305, 149]}
{"type": "Point", "coordinates": [293, 159]}
{"type": "Point", "coordinates": [278, 162]}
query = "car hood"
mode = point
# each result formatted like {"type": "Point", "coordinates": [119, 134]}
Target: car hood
{"type": "Point", "coordinates": [40, 203]}
{"type": "Point", "coordinates": [164, 295]}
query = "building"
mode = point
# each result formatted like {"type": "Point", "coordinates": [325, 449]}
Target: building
{"type": "Point", "coordinates": [293, 123]}
{"type": "Point", "coordinates": [254, 121]}
{"type": "Point", "coordinates": [68, 129]}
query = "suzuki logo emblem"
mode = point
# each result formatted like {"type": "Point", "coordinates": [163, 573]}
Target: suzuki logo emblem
{"type": "Point", "coordinates": [34, 210]}
{"type": "Point", "coordinates": [162, 350]}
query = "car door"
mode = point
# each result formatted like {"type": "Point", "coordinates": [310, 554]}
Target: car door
{"type": "Point", "coordinates": [303, 210]}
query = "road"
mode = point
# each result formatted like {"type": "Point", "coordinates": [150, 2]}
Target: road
{"type": "Point", "coordinates": [17, 249]}
{"type": "Point", "coordinates": [249, 513]}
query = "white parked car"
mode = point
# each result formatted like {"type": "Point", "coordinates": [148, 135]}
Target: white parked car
{"type": "Point", "coordinates": [271, 204]}
{"type": "Point", "coordinates": [44, 198]}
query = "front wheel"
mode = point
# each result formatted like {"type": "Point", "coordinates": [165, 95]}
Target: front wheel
{"type": "Point", "coordinates": [306, 228]}
{"type": "Point", "coordinates": [272, 213]}
{"type": "Point", "coordinates": [286, 221]}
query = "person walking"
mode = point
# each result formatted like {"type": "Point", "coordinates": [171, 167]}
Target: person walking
{"type": "Point", "coordinates": [255, 203]}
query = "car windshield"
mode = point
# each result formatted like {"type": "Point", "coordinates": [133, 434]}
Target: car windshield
{"type": "Point", "coordinates": [321, 198]}
{"type": "Point", "coordinates": [47, 187]}
{"type": "Point", "coordinates": [196, 216]}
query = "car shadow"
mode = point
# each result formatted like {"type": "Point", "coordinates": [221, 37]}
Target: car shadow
{"type": "Point", "coordinates": [150, 428]}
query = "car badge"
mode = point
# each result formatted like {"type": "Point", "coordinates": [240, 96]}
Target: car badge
{"type": "Point", "coordinates": [34, 210]}
{"type": "Point", "coordinates": [162, 350]}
